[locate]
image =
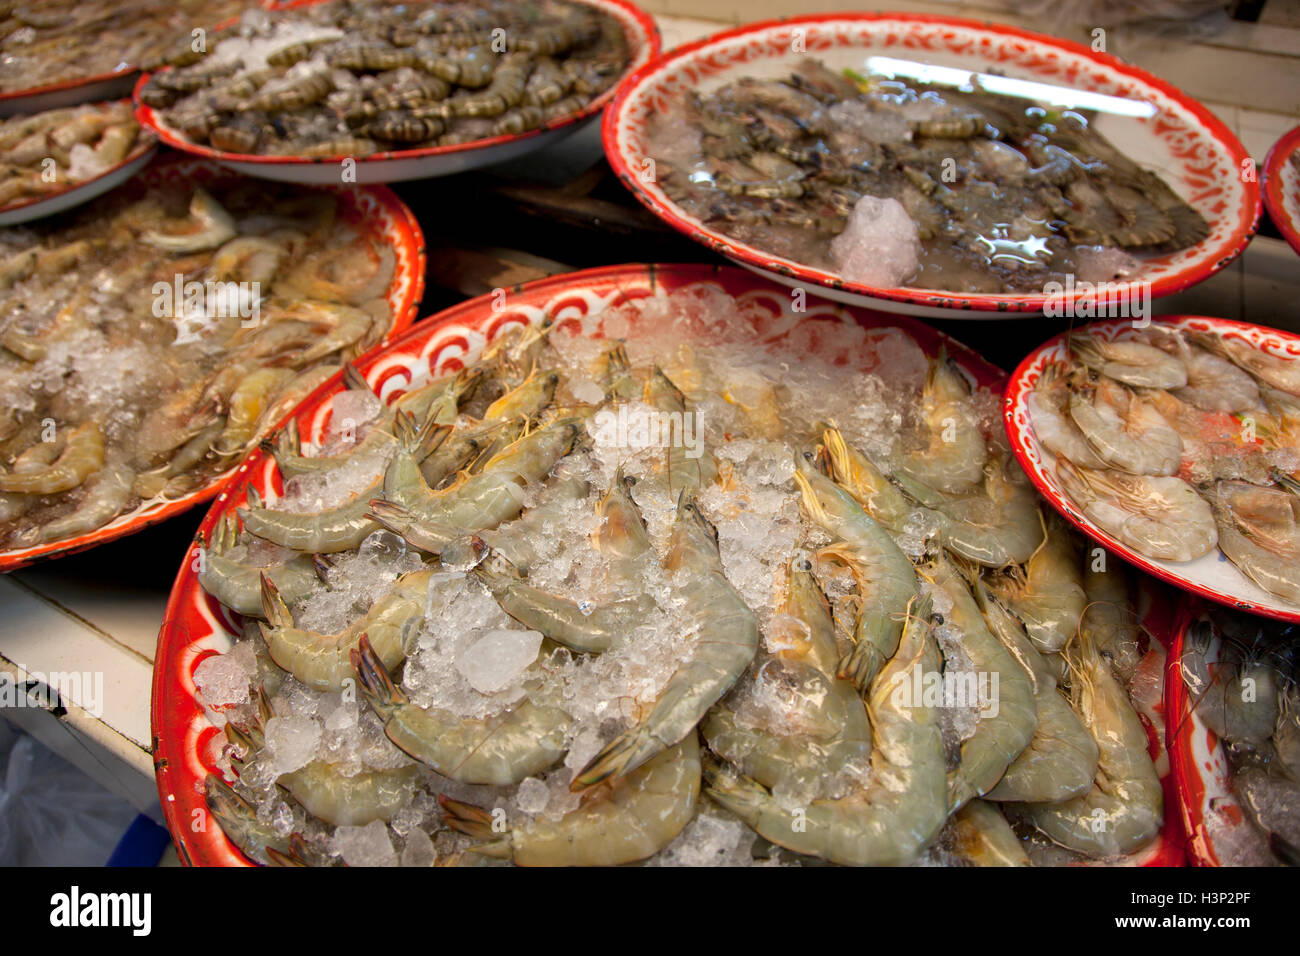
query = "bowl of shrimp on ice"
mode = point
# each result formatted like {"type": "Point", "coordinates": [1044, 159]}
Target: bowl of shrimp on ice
{"type": "Point", "coordinates": [1176, 445]}
{"type": "Point", "coordinates": [158, 332]}
{"type": "Point", "coordinates": [595, 554]}
{"type": "Point", "coordinates": [1234, 738]}
{"type": "Point", "coordinates": [932, 165]}
{"type": "Point", "coordinates": [323, 90]}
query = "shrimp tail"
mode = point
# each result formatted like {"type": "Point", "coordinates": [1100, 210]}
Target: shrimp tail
{"type": "Point", "coordinates": [399, 520]}
{"type": "Point", "coordinates": [321, 564]}
{"type": "Point", "coordinates": [741, 795]}
{"type": "Point", "coordinates": [274, 609]}
{"type": "Point", "coordinates": [477, 823]}
{"type": "Point", "coordinates": [620, 756]}
{"type": "Point", "coordinates": [378, 687]}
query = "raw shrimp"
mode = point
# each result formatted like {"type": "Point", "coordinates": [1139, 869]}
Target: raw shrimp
{"type": "Point", "coordinates": [1061, 759]}
{"type": "Point", "coordinates": [1237, 696]}
{"type": "Point", "coordinates": [1125, 431]}
{"type": "Point", "coordinates": [327, 793]}
{"type": "Point", "coordinates": [728, 638]}
{"type": "Point", "coordinates": [1109, 620]}
{"type": "Point", "coordinates": [1133, 363]}
{"type": "Point", "coordinates": [994, 526]}
{"type": "Point", "coordinates": [982, 837]}
{"type": "Point", "coordinates": [523, 541]}
{"type": "Point", "coordinates": [211, 226]}
{"type": "Point", "coordinates": [340, 528]}
{"type": "Point", "coordinates": [1162, 518]}
{"type": "Point", "coordinates": [322, 661]}
{"type": "Point", "coordinates": [239, 821]}
{"type": "Point", "coordinates": [1275, 573]}
{"type": "Point", "coordinates": [239, 586]}
{"type": "Point", "coordinates": [1048, 406]}
{"type": "Point", "coordinates": [1274, 371]}
{"type": "Point", "coordinates": [866, 482]}
{"type": "Point", "coordinates": [830, 716]}
{"type": "Point", "coordinates": [500, 750]}
{"type": "Point", "coordinates": [430, 519]}
{"type": "Point", "coordinates": [82, 456]}
{"type": "Point", "coordinates": [1125, 807]}
{"type": "Point", "coordinates": [952, 458]}
{"type": "Point", "coordinates": [627, 819]}
{"type": "Point", "coordinates": [247, 403]}
{"type": "Point", "coordinates": [1214, 384]}
{"type": "Point", "coordinates": [904, 806]}
{"type": "Point", "coordinates": [1048, 594]}
{"type": "Point", "coordinates": [107, 492]}
{"type": "Point", "coordinates": [527, 400]}
{"type": "Point", "coordinates": [586, 627]}
{"type": "Point", "coordinates": [684, 472]}
{"type": "Point", "coordinates": [619, 383]}
{"type": "Point", "coordinates": [1002, 734]}
{"type": "Point", "coordinates": [886, 581]}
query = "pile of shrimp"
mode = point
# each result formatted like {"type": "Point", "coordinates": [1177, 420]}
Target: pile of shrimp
{"type": "Point", "coordinates": [1240, 673]}
{"type": "Point", "coordinates": [1176, 442]}
{"type": "Point", "coordinates": [45, 153]}
{"type": "Point", "coordinates": [482, 625]}
{"type": "Point", "coordinates": [147, 342]}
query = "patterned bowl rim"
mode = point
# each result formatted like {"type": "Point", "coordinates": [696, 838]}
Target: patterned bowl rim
{"type": "Point", "coordinates": [406, 235]}
{"type": "Point", "coordinates": [1021, 384]}
{"type": "Point", "coordinates": [175, 709]}
{"type": "Point", "coordinates": [1247, 217]}
{"type": "Point", "coordinates": [639, 27]}
{"type": "Point", "coordinates": [148, 143]}
{"type": "Point", "coordinates": [1274, 181]}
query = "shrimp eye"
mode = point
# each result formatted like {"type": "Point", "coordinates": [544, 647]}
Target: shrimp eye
{"type": "Point", "coordinates": [938, 619]}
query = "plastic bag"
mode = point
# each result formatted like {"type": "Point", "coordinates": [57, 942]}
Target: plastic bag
{"type": "Point", "coordinates": [52, 814]}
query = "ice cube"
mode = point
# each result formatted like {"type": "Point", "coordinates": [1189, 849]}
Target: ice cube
{"type": "Point", "coordinates": [419, 850]}
{"type": "Point", "coordinates": [223, 679]}
{"type": "Point", "coordinates": [879, 246]}
{"type": "Point", "coordinates": [492, 662]}
{"type": "Point", "coordinates": [291, 742]}
{"type": "Point", "coordinates": [369, 845]}
{"type": "Point", "coordinates": [532, 796]}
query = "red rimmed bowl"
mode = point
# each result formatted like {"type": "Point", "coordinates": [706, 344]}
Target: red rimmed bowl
{"type": "Point", "coordinates": [1281, 186]}
{"type": "Point", "coordinates": [1211, 814]}
{"type": "Point", "coordinates": [1184, 142]}
{"type": "Point", "coordinates": [111, 85]}
{"type": "Point", "coordinates": [39, 207]}
{"type": "Point", "coordinates": [375, 210]}
{"type": "Point", "coordinates": [1211, 576]}
{"type": "Point", "coordinates": [186, 743]}
{"type": "Point", "coordinates": [399, 165]}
